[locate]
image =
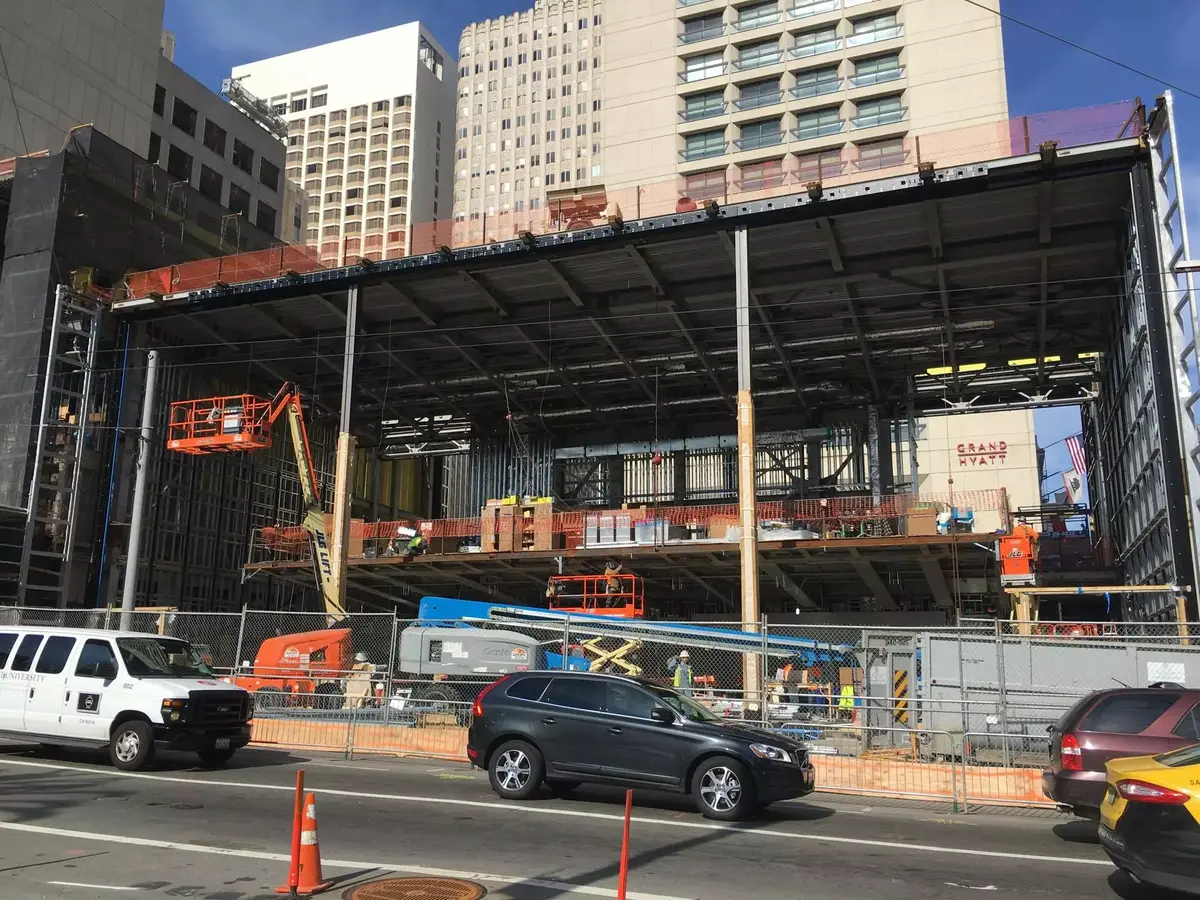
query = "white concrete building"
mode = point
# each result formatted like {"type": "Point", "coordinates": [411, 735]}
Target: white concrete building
{"type": "Point", "coordinates": [529, 130]}
{"type": "Point", "coordinates": [201, 139]}
{"type": "Point", "coordinates": [370, 136]}
{"type": "Point", "coordinates": [77, 62]}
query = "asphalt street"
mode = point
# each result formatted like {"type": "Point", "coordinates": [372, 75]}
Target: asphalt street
{"type": "Point", "coordinates": [73, 827]}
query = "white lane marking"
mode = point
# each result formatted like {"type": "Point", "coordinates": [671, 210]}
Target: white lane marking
{"type": "Point", "coordinates": [94, 887]}
{"type": "Point", "coordinates": [564, 887]}
{"type": "Point", "coordinates": [527, 810]}
{"type": "Point", "coordinates": [990, 887]}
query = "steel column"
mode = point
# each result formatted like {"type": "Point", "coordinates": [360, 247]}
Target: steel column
{"type": "Point", "coordinates": [133, 553]}
{"type": "Point", "coordinates": [344, 465]}
{"type": "Point", "coordinates": [746, 459]}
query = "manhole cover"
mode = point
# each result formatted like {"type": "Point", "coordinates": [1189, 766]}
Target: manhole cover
{"type": "Point", "coordinates": [417, 889]}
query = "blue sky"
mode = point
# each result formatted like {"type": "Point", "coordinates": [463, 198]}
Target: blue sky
{"type": "Point", "coordinates": [1157, 36]}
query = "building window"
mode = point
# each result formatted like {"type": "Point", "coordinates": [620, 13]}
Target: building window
{"type": "Point", "coordinates": [761, 176]}
{"type": "Point", "coordinates": [155, 148]}
{"type": "Point", "coordinates": [819, 123]}
{"type": "Point", "coordinates": [707, 65]}
{"type": "Point", "coordinates": [817, 82]}
{"type": "Point", "coordinates": [239, 200]}
{"type": "Point", "coordinates": [160, 100]}
{"type": "Point", "coordinates": [333, 197]}
{"type": "Point", "coordinates": [354, 193]}
{"type": "Point", "coordinates": [179, 164]}
{"type": "Point", "coordinates": [704, 144]}
{"type": "Point", "coordinates": [764, 53]}
{"type": "Point", "coordinates": [819, 166]}
{"type": "Point", "coordinates": [184, 117]}
{"type": "Point", "coordinates": [299, 104]}
{"type": "Point", "coordinates": [243, 157]}
{"type": "Point", "coordinates": [705, 185]}
{"type": "Point", "coordinates": [822, 40]}
{"type": "Point", "coordinates": [312, 169]}
{"type": "Point", "coordinates": [882, 111]}
{"type": "Point", "coordinates": [210, 183]}
{"type": "Point", "coordinates": [268, 175]}
{"type": "Point", "coordinates": [319, 100]}
{"type": "Point", "coordinates": [703, 28]}
{"type": "Point", "coordinates": [877, 70]}
{"type": "Point", "coordinates": [266, 218]}
{"type": "Point", "coordinates": [874, 28]}
{"type": "Point", "coordinates": [756, 135]}
{"type": "Point", "coordinates": [881, 154]}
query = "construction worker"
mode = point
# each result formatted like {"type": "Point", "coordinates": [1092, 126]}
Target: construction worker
{"type": "Point", "coordinates": [846, 702]}
{"type": "Point", "coordinates": [553, 591]}
{"type": "Point", "coordinates": [612, 584]}
{"type": "Point", "coordinates": [683, 674]}
{"type": "Point", "coordinates": [418, 545]}
{"type": "Point", "coordinates": [358, 683]}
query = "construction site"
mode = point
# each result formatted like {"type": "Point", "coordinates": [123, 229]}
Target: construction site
{"type": "Point", "coordinates": [763, 404]}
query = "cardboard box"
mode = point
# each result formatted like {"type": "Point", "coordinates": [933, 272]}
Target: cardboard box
{"type": "Point", "coordinates": [850, 676]}
{"type": "Point", "coordinates": [922, 522]}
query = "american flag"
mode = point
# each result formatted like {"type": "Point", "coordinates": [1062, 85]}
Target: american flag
{"type": "Point", "coordinates": [1075, 448]}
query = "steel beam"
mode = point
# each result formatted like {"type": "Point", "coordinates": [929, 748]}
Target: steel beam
{"type": "Point", "coordinates": [931, 568]}
{"type": "Point", "coordinates": [861, 337]}
{"type": "Point", "coordinates": [871, 579]}
{"type": "Point", "coordinates": [484, 291]}
{"type": "Point", "coordinates": [825, 226]}
{"type": "Point", "coordinates": [951, 347]}
{"type": "Point", "coordinates": [339, 538]}
{"type": "Point", "coordinates": [789, 584]}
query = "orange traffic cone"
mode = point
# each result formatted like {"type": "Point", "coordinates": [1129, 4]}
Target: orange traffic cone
{"type": "Point", "coordinates": [309, 879]}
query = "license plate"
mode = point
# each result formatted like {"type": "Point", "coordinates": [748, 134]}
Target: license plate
{"type": "Point", "coordinates": [221, 744]}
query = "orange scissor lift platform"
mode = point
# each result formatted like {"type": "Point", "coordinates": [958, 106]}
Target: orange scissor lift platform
{"type": "Point", "coordinates": [590, 594]}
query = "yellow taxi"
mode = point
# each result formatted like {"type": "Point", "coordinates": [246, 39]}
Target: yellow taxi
{"type": "Point", "coordinates": [1150, 818]}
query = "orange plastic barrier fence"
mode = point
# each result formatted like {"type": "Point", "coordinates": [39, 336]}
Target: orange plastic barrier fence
{"type": "Point", "coordinates": [787, 175]}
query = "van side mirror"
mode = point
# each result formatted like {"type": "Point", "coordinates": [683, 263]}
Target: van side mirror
{"type": "Point", "coordinates": [662, 715]}
{"type": "Point", "coordinates": [106, 671]}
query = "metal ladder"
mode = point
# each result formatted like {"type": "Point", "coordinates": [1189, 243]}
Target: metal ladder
{"type": "Point", "coordinates": [62, 433]}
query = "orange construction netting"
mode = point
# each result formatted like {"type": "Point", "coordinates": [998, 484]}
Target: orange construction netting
{"type": "Point", "coordinates": [789, 174]}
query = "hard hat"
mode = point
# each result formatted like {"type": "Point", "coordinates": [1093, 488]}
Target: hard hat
{"type": "Point", "coordinates": [360, 657]}
{"type": "Point", "coordinates": [683, 654]}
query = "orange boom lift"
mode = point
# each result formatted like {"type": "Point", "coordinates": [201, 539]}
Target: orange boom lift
{"type": "Point", "coordinates": [242, 423]}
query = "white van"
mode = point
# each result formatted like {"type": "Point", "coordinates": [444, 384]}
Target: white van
{"type": "Point", "coordinates": [127, 691]}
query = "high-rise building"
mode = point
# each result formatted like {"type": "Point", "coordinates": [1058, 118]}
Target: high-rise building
{"type": "Point", "coordinates": [369, 122]}
{"type": "Point", "coordinates": [708, 97]}
{"type": "Point", "coordinates": [530, 121]}
{"type": "Point", "coordinates": [76, 62]}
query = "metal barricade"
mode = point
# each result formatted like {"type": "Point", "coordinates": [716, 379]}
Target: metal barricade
{"type": "Point", "coordinates": [1004, 769]}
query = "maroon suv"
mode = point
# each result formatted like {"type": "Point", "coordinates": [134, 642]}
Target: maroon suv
{"type": "Point", "coordinates": [1111, 724]}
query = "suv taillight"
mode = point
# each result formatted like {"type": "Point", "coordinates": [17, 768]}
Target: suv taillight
{"type": "Point", "coordinates": [1072, 755]}
{"type": "Point", "coordinates": [477, 709]}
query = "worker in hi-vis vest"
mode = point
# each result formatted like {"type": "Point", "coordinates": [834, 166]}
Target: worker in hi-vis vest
{"type": "Point", "coordinates": [683, 674]}
{"type": "Point", "coordinates": [846, 701]}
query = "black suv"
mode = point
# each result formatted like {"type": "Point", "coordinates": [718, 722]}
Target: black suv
{"type": "Point", "coordinates": [571, 727]}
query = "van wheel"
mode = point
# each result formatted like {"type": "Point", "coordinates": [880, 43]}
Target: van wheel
{"type": "Point", "coordinates": [215, 758]}
{"type": "Point", "coordinates": [723, 789]}
{"type": "Point", "coordinates": [132, 745]}
{"type": "Point", "coordinates": [515, 770]}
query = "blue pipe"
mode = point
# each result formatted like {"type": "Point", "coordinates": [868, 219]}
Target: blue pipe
{"type": "Point", "coordinates": [112, 471]}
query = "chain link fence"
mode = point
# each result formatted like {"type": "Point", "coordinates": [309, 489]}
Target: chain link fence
{"type": "Point", "coordinates": [954, 714]}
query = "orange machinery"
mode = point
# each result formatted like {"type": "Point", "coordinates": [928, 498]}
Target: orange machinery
{"type": "Point", "coordinates": [1018, 556]}
{"type": "Point", "coordinates": [590, 594]}
{"type": "Point", "coordinates": [311, 663]}
{"type": "Point", "coordinates": [243, 422]}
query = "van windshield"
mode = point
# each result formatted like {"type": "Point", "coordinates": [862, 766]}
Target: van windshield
{"type": "Point", "coordinates": [159, 657]}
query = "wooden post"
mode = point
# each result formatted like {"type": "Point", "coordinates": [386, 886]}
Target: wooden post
{"type": "Point", "coordinates": [1181, 618]}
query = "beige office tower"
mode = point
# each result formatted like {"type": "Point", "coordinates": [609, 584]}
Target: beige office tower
{"type": "Point", "coordinates": [713, 99]}
{"type": "Point", "coordinates": [530, 121]}
{"type": "Point", "coordinates": [369, 123]}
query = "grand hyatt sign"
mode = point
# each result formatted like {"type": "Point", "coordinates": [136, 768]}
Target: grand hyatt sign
{"type": "Point", "coordinates": [984, 453]}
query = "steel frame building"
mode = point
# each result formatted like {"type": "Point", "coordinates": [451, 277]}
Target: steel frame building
{"type": "Point", "coordinates": [1064, 271]}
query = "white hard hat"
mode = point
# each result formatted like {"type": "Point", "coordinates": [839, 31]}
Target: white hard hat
{"type": "Point", "coordinates": [360, 657]}
{"type": "Point", "coordinates": [683, 654]}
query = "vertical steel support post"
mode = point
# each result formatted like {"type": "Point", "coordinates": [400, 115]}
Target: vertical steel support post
{"type": "Point", "coordinates": [344, 471]}
{"type": "Point", "coordinates": [237, 655]}
{"type": "Point", "coordinates": [138, 513]}
{"type": "Point", "coordinates": [912, 448]}
{"type": "Point", "coordinates": [752, 674]}
{"type": "Point", "coordinates": [874, 475]}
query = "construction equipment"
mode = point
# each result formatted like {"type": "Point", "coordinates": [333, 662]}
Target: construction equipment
{"type": "Point", "coordinates": [242, 423]}
{"type": "Point", "coordinates": [621, 595]}
{"type": "Point", "coordinates": [309, 665]}
{"type": "Point", "coordinates": [1018, 556]}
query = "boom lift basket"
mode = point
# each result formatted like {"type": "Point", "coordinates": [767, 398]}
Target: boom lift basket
{"type": "Point", "coordinates": [220, 424]}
